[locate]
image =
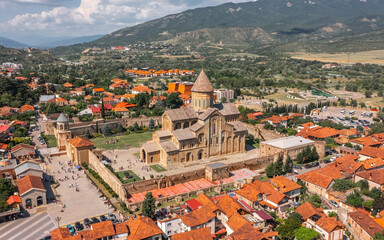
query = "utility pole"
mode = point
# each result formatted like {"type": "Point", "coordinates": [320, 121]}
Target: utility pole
{"type": "Point", "coordinates": [58, 220]}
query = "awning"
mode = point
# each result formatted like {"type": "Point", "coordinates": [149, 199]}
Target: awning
{"type": "Point", "coordinates": [78, 167]}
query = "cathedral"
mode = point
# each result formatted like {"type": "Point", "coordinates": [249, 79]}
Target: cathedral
{"type": "Point", "coordinates": [196, 132]}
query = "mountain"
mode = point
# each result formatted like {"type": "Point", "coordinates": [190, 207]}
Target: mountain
{"type": "Point", "coordinates": [6, 42]}
{"type": "Point", "coordinates": [260, 23]}
{"type": "Point", "coordinates": [31, 57]}
{"type": "Point", "coordinates": [63, 41]}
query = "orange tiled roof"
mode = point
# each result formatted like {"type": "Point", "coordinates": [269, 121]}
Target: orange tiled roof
{"type": "Point", "coordinates": [329, 224]}
{"type": "Point", "coordinates": [372, 163]}
{"type": "Point", "coordinates": [236, 221]}
{"type": "Point", "coordinates": [346, 163]}
{"type": "Point", "coordinates": [276, 197]}
{"type": "Point", "coordinates": [379, 136]}
{"type": "Point", "coordinates": [197, 217]}
{"type": "Point", "coordinates": [102, 229]}
{"type": "Point", "coordinates": [68, 85]}
{"type": "Point", "coordinates": [348, 132]}
{"type": "Point", "coordinates": [58, 100]}
{"type": "Point", "coordinates": [141, 88]}
{"type": "Point", "coordinates": [319, 132]}
{"type": "Point", "coordinates": [128, 96]}
{"type": "Point", "coordinates": [229, 205]}
{"type": "Point", "coordinates": [372, 152]}
{"type": "Point", "coordinates": [376, 175]}
{"type": "Point", "coordinates": [142, 228]}
{"type": "Point", "coordinates": [366, 141]}
{"type": "Point", "coordinates": [316, 178]}
{"type": "Point", "coordinates": [14, 199]}
{"type": "Point", "coordinates": [247, 231]}
{"type": "Point", "coordinates": [197, 234]}
{"type": "Point", "coordinates": [80, 142]}
{"type": "Point", "coordinates": [98, 90]}
{"type": "Point", "coordinates": [265, 203]}
{"type": "Point", "coordinates": [284, 185]}
{"type": "Point", "coordinates": [28, 182]}
{"type": "Point", "coordinates": [88, 97]}
{"type": "Point", "coordinates": [27, 108]}
{"type": "Point", "coordinates": [63, 234]}
{"type": "Point", "coordinates": [158, 98]}
{"type": "Point", "coordinates": [277, 119]}
{"type": "Point", "coordinates": [365, 222]}
{"type": "Point", "coordinates": [207, 202]}
{"type": "Point", "coordinates": [307, 210]}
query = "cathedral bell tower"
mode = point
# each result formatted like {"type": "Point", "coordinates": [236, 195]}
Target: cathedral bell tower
{"type": "Point", "coordinates": [202, 93]}
{"type": "Point", "coordinates": [62, 132]}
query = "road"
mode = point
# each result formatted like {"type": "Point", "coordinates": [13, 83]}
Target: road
{"type": "Point", "coordinates": [35, 227]}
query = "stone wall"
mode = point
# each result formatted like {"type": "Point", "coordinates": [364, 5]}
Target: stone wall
{"type": "Point", "coordinates": [106, 175]}
{"type": "Point", "coordinates": [156, 183]}
{"type": "Point", "coordinates": [78, 129]}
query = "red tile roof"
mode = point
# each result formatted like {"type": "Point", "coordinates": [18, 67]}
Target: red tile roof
{"type": "Point", "coordinates": [142, 228]}
{"type": "Point", "coordinates": [197, 234]}
{"type": "Point", "coordinates": [284, 185]}
{"type": "Point", "coordinates": [79, 142]}
{"type": "Point", "coordinates": [366, 141]}
{"type": "Point", "coordinates": [14, 199]}
{"type": "Point", "coordinates": [365, 222]}
{"type": "Point", "coordinates": [28, 182]}
{"type": "Point", "coordinates": [372, 152]}
{"type": "Point", "coordinates": [376, 175]}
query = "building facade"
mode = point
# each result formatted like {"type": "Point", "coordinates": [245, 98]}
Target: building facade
{"type": "Point", "coordinates": [199, 131]}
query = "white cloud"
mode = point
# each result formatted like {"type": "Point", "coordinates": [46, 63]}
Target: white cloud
{"type": "Point", "coordinates": [97, 16]}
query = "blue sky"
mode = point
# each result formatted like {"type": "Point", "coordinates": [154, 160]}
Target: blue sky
{"type": "Point", "coordinates": [24, 20]}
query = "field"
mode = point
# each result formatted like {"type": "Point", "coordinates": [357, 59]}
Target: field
{"type": "Point", "coordinates": [132, 140]}
{"type": "Point", "coordinates": [373, 57]}
{"type": "Point", "coordinates": [51, 141]}
{"type": "Point", "coordinates": [158, 168]}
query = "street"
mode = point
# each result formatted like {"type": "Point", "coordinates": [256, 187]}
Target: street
{"type": "Point", "coordinates": [35, 227]}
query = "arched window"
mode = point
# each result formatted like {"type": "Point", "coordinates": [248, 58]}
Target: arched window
{"type": "Point", "coordinates": [188, 157]}
{"type": "Point", "coordinates": [214, 127]}
{"type": "Point", "coordinates": [143, 155]}
{"type": "Point", "coordinates": [40, 200]}
{"type": "Point", "coordinates": [177, 126]}
{"type": "Point", "coordinates": [201, 138]}
{"type": "Point", "coordinates": [200, 155]}
{"type": "Point", "coordinates": [186, 125]}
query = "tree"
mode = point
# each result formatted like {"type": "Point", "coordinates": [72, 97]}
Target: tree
{"type": "Point", "coordinates": [315, 200]}
{"type": "Point", "coordinates": [306, 234]}
{"type": "Point", "coordinates": [136, 127]}
{"type": "Point", "coordinates": [151, 124]}
{"type": "Point", "coordinates": [142, 100]}
{"type": "Point", "coordinates": [3, 206]}
{"type": "Point", "coordinates": [279, 166]}
{"type": "Point", "coordinates": [106, 130]}
{"type": "Point", "coordinates": [88, 134]}
{"type": "Point", "coordinates": [355, 199]}
{"type": "Point", "coordinates": [149, 207]}
{"type": "Point", "coordinates": [342, 185]}
{"type": "Point", "coordinates": [287, 230]}
{"type": "Point", "coordinates": [288, 166]}
{"type": "Point", "coordinates": [173, 101]}
{"type": "Point", "coordinates": [368, 94]}
{"type": "Point", "coordinates": [120, 128]}
{"type": "Point", "coordinates": [379, 236]}
{"type": "Point", "coordinates": [377, 205]}
{"type": "Point", "coordinates": [363, 184]}
{"type": "Point", "coordinates": [102, 108]}
{"type": "Point", "coordinates": [270, 170]}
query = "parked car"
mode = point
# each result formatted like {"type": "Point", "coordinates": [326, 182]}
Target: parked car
{"type": "Point", "coordinates": [95, 220]}
{"type": "Point", "coordinates": [46, 238]}
{"type": "Point", "coordinates": [87, 222]}
{"type": "Point", "coordinates": [327, 161]}
{"type": "Point", "coordinates": [308, 166]}
{"type": "Point", "coordinates": [79, 226]}
{"type": "Point", "coordinates": [315, 164]}
{"type": "Point", "coordinates": [71, 229]}
{"type": "Point", "coordinates": [103, 218]}
{"type": "Point", "coordinates": [297, 167]}
{"type": "Point", "coordinates": [332, 159]}
{"type": "Point", "coordinates": [333, 203]}
{"type": "Point", "coordinates": [112, 217]}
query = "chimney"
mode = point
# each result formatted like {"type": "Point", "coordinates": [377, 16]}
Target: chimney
{"type": "Point", "coordinates": [370, 175]}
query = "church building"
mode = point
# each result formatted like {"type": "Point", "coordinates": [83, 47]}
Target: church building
{"type": "Point", "coordinates": [196, 132]}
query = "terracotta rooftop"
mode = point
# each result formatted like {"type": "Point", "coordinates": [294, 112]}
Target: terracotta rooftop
{"type": "Point", "coordinates": [307, 210]}
{"type": "Point", "coordinates": [372, 163]}
{"type": "Point", "coordinates": [81, 142]}
{"type": "Point", "coordinates": [329, 224]}
{"type": "Point", "coordinates": [366, 141]}
{"type": "Point", "coordinates": [202, 83]}
{"type": "Point", "coordinates": [277, 119]}
{"type": "Point", "coordinates": [236, 221]}
{"type": "Point", "coordinates": [284, 185]}
{"type": "Point", "coordinates": [366, 222]}
{"type": "Point", "coordinates": [102, 229]}
{"type": "Point", "coordinates": [372, 152]}
{"type": "Point", "coordinates": [142, 228]}
{"type": "Point", "coordinates": [229, 205]}
{"type": "Point", "coordinates": [376, 175]}
{"type": "Point", "coordinates": [348, 132]}
{"type": "Point", "coordinates": [207, 202]}
{"type": "Point", "coordinates": [28, 182]}
{"type": "Point", "coordinates": [197, 234]}
{"type": "Point", "coordinates": [197, 217]}
{"type": "Point", "coordinates": [247, 232]}
{"type": "Point", "coordinates": [316, 178]}
{"type": "Point", "coordinates": [319, 132]}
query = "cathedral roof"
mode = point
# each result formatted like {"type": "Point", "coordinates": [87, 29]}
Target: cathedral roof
{"type": "Point", "coordinates": [195, 127]}
{"type": "Point", "coordinates": [180, 114]}
{"type": "Point", "coordinates": [207, 113]}
{"type": "Point", "coordinates": [238, 126]}
{"type": "Point", "coordinates": [151, 147]}
{"type": "Point", "coordinates": [184, 134]}
{"type": "Point", "coordinates": [202, 83]}
{"type": "Point", "coordinates": [227, 109]}
{"type": "Point", "coordinates": [169, 146]}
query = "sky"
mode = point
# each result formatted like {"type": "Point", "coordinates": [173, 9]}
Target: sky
{"type": "Point", "coordinates": [27, 20]}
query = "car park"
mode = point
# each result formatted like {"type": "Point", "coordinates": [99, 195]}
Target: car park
{"type": "Point", "coordinates": [327, 161]}
{"type": "Point", "coordinates": [71, 229]}
{"type": "Point", "coordinates": [87, 222]}
{"type": "Point", "coordinates": [315, 164]}
{"type": "Point", "coordinates": [79, 226]}
{"type": "Point", "coordinates": [308, 166]}
{"type": "Point", "coordinates": [333, 203]}
{"type": "Point", "coordinates": [297, 167]}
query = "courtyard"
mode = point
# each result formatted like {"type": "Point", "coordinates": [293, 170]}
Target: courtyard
{"type": "Point", "coordinates": [72, 205]}
{"type": "Point", "coordinates": [121, 142]}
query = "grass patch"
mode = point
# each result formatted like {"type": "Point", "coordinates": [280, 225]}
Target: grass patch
{"type": "Point", "coordinates": [51, 141]}
{"type": "Point", "coordinates": [133, 140]}
{"type": "Point", "coordinates": [158, 168]}
{"type": "Point", "coordinates": [134, 177]}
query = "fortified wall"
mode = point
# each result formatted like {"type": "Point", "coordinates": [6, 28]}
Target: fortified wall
{"type": "Point", "coordinates": [78, 129]}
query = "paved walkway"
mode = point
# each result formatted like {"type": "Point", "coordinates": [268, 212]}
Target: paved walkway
{"type": "Point", "coordinates": [35, 227]}
{"type": "Point", "coordinates": [78, 204]}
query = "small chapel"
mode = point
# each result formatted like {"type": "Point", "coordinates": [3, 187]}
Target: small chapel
{"type": "Point", "coordinates": [196, 132]}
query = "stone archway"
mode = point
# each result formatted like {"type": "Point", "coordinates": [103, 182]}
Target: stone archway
{"type": "Point", "coordinates": [143, 155]}
{"type": "Point", "coordinates": [39, 200]}
{"type": "Point", "coordinates": [200, 155]}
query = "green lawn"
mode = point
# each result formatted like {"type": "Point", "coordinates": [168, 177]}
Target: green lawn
{"type": "Point", "coordinates": [125, 180]}
{"type": "Point", "coordinates": [51, 141]}
{"type": "Point", "coordinates": [158, 168]}
{"type": "Point", "coordinates": [133, 140]}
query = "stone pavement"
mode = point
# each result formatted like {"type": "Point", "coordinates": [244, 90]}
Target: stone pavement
{"type": "Point", "coordinates": [73, 205]}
